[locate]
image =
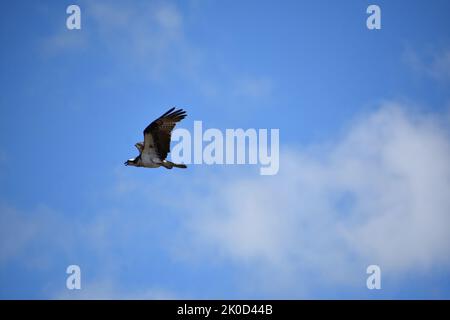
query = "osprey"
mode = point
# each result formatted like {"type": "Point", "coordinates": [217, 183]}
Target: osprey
{"type": "Point", "coordinates": [153, 151]}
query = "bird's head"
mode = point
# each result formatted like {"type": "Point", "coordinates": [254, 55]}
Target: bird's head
{"type": "Point", "coordinates": [131, 162]}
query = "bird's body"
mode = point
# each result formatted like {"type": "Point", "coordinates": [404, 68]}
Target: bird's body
{"type": "Point", "coordinates": [156, 145]}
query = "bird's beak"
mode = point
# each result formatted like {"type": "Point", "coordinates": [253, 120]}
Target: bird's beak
{"type": "Point", "coordinates": [126, 163]}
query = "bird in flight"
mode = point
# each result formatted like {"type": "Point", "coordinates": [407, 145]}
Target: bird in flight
{"type": "Point", "coordinates": [153, 151]}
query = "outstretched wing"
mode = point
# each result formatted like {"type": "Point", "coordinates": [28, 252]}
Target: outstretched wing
{"type": "Point", "coordinates": [158, 133]}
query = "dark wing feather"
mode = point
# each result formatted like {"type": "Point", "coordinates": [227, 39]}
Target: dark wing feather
{"type": "Point", "coordinates": [158, 133]}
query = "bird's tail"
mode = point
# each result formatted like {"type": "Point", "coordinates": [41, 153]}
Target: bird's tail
{"type": "Point", "coordinates": [169, 165]}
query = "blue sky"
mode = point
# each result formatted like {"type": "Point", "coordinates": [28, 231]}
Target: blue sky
{"type": "Point", "coordinates": [364, 139]}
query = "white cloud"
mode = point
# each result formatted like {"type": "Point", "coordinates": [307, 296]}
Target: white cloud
{"type": "Point", "coordinates": [16, 232]}
{"type": "Point", "coordinates": [434, 64]}
{"type": "Point", "coordinates": [64, 41]}
{"type": "Point", "coordinates": [150, 38]}
{"type": "Point", "coordinates": [253, 87]}
{"type": "Point", "coordinates": [169, 17]}
{"type": "Point", "coordinates": [376, 195]}
{"type": "Point", "coordinates": [145, 36]}
{"type": "Point", "coordinates": [21, 231]}
{"type": "Point", "coordinates": [41, 239]}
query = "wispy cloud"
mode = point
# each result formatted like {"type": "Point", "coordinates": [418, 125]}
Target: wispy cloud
{"type": "Point", "coordinates": [151, 39]}
{"type": "Point", "coordinates": [25, 232]}
{"type": "Point", "coordinates": [16, 232]}
{"type": "Point", "coordinates": [434, 64]}
{"type": "Point", "coordinates": [149, 36]}
{"type": "Point", "coordinates": [64, 41]}
{"type": "Point", "coordinates": [145, 35]}
{"type": "Point", "coordinates": [253, 87]}
{"type": "Point", "coordinates": [109, 290]}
